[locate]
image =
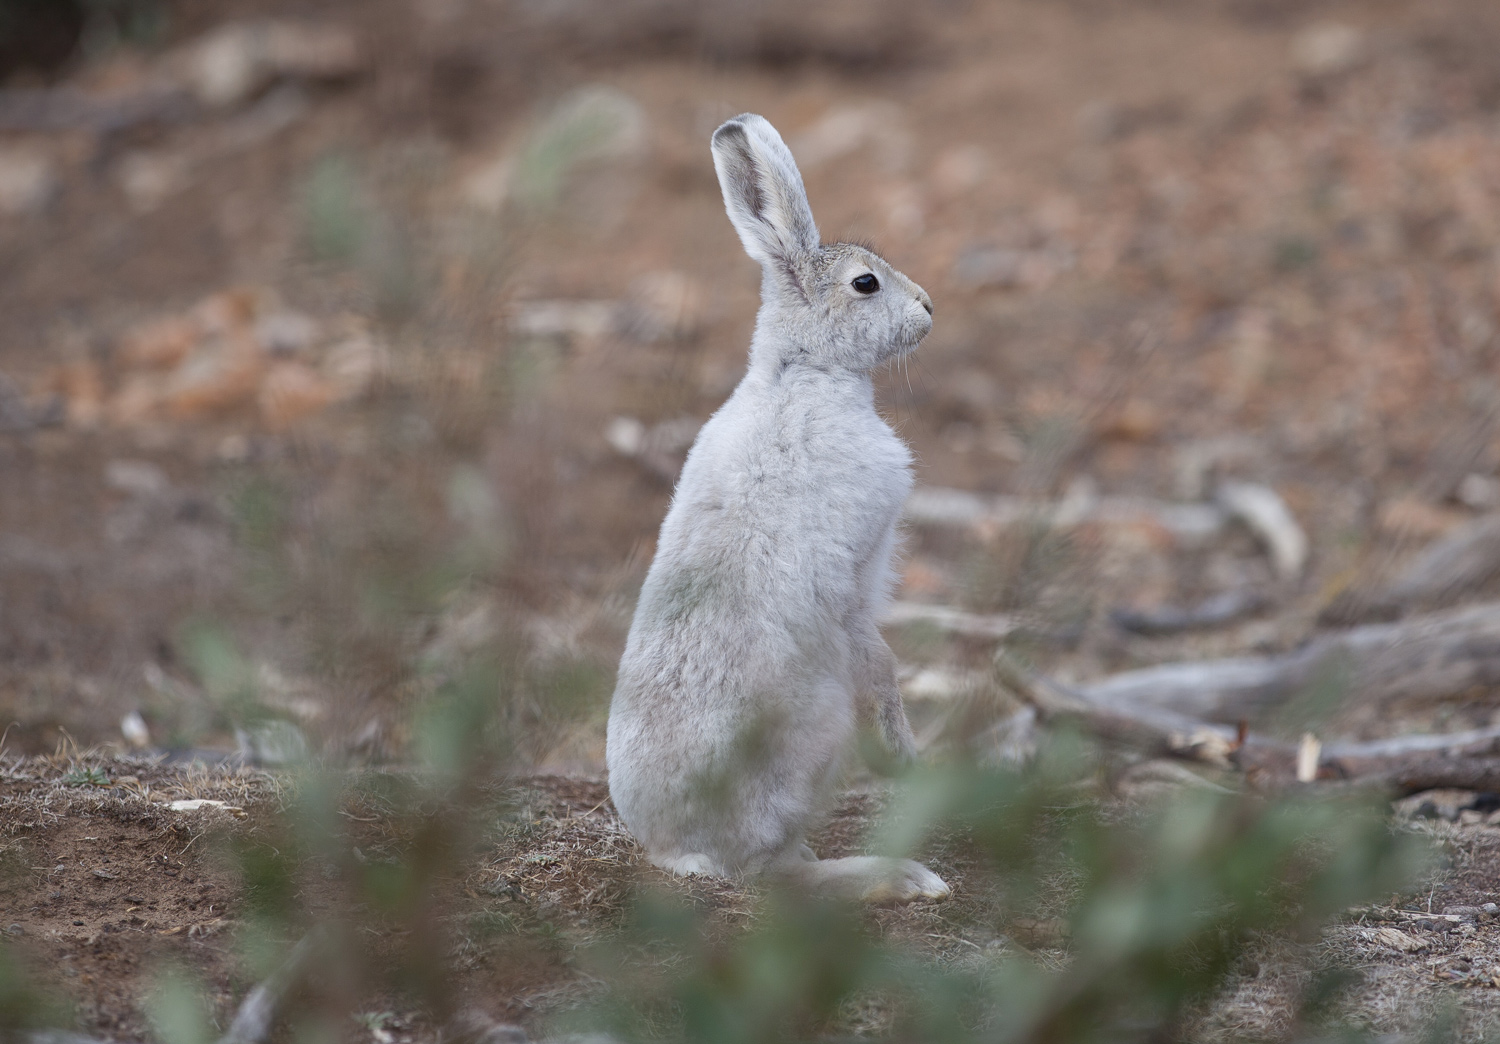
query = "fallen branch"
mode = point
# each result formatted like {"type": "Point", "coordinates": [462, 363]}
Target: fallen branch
{"type": "Point", "coordinates": [1188, 524]}
{"type": "Point", "coordinates": [1216, 611]}
{"type": "Point", "coordinates": [1422, 658]}
{"type": "Point", "coordinates": [66, 108]}
{"type": "Point", "coordinates": [1446, 570]}
{"type": "Point", "coordinates": [1149, 729]}
{"type": "Point", "coordinates": [1261, 509]}
{"type": "Point", "coordinates": [1448, 745]}
{"type": "Point", "coordinates": [948, 620]}
{"type": "Point", "coordinates": [1444, 774]}
{"type": "Point", "coordinates": [1404, 764]}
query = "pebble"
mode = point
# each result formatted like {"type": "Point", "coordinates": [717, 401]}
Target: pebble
{"type": "Point", "coordinates": [28, 181]}
{"type": "Point", "coordinates": [133, 728]}
{"type": "Point", "coordinates": [1327, 49]}
{"type": "Point", "coordinates": [232, 63]}
{"type": "Point", "coordinates": [286, 333]}
{"type": "Point", "coordinates": [1479, 492]}
{"type": "Point", "coordinates": [138, 478]}
{"type": "Point", "coordinates": [149, 178]}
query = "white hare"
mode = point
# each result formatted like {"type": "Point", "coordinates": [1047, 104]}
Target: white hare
{"type": "Point", "coordinates": [754, 653]}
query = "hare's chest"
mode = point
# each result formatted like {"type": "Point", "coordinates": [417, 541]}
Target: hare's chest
{"type": "Point", "coordinates": [862, 479]}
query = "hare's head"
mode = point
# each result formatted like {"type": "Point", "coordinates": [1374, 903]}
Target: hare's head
{"type": "Point", "coordinates": [837, 304]}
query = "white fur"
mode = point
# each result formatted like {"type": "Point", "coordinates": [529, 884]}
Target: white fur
{"type": "Point", "coordinates": [754, 652]}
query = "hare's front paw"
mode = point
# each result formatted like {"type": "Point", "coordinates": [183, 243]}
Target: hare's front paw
{"type": "Point", "coordinates": [905, 880]}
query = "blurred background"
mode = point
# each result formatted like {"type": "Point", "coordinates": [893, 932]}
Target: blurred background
{"type": "Point", "coordinates": [346, 345]}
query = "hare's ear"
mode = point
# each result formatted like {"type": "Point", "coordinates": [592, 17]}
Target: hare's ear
{"type": "Point", "coordinates": [763, 190]}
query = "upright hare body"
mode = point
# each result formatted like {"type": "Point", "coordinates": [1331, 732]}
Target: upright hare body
{"type": "Point", "coordinates": [754, 652]}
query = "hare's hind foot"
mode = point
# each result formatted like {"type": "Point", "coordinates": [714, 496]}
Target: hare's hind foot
{"type": "Point", "coordinates": [874, 879]}
{"type": "Point", "coordinates": [693, 864]}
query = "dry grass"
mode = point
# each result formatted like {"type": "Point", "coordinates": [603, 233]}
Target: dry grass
{"type": "Point", "coordinates": [553, 875]}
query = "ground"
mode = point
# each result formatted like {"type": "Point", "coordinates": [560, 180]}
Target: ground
{"type": "Point", "coordinates": [106, 886]}
{"type": "Point", "coordinates": [1169, 243]}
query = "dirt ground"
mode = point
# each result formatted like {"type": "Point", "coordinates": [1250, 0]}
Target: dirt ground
{"type": "Point", "coordinates": [1169, 242]}
{"type": "Point", "coordinates": [107, 887]}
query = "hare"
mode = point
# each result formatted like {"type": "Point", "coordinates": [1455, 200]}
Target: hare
{"type": "Point", "coordinates": [754, 654]}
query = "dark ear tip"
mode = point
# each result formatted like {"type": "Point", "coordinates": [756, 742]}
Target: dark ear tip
{"type": "Point", "coordinates": [730, 130]}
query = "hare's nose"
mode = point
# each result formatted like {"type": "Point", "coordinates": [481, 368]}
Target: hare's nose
{"type": "Point", "coordinates": [926, 301]}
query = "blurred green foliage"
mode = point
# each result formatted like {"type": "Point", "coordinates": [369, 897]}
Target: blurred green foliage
{"type": "Point", "coordinates": [24, 1005]}
{"type": "Point", "coordinates": [1157, 907]}
{"type": "Point", "coordinates": [178, 1010]}
{"type": "Point", "coordinates": [333, 217]}
{"type": "Point", "coordinates": [591, 124]}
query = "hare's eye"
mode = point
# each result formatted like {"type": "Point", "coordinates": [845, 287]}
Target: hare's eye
{"type": "Point", "coordinates": [866, 284]}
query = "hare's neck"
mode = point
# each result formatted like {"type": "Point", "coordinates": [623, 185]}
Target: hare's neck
{"type": "Point", "coordinates": [790, 378]}
{"type": "Point", "coordinates": [781, 348]}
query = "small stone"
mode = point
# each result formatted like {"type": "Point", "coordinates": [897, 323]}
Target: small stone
{"type": "Point", "coordinates": [1463, 913]}
{"type": "Point", "coordinates": [28, 181]}
{"type": "Point", "coordinates": [137, 478]}
{"type": "Point", "coordinates": [1327, 49]}
{"type": "Point", "coordinates": [626, 435]}
{"type": "Point", "coordinates": [1479, 492]}
{"type": "Point", "coordinates": [199, 804]}
{"type": "Point", "coordinates": [133, 728]}
{"type": "Point", "coordinates": [149, 178]}
{"type": "Point", "coordinates": [286, 333]}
